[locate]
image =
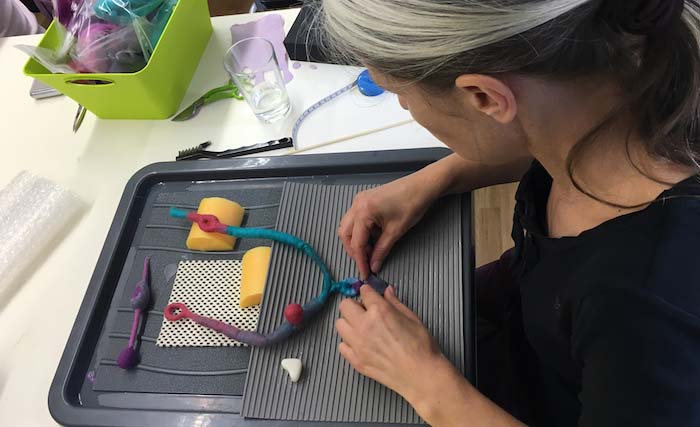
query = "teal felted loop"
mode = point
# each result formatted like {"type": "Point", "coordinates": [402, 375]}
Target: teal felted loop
{"type": "Point", "coordinates": [290, 240]}
{"type": "Point", "coordinates": [348, 287]}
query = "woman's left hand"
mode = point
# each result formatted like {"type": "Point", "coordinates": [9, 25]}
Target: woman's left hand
{"type": "Point", "coordinates": [384, 340]}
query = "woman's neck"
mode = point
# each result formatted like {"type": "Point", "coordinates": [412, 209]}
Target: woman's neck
{"type": "Point", "coordinates": [615, 167]}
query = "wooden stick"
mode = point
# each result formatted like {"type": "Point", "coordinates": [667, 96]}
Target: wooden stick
{"type": "Point", "coordinates": [349, 137]}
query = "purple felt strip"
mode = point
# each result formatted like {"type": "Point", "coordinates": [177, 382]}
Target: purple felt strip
{"type": "Point", "coordinates": [134, 327]}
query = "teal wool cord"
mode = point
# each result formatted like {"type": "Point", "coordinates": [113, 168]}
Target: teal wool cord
{"type": "Point", "coordinates": [296, 316]}
{"type": "Point", "coordinates": [329, 285]}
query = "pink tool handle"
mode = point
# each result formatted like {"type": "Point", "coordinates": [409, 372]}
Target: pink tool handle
{"type": "Point", "coordinates": [208, 223]}
{"type": "Point", "coordinates": [171, 311]}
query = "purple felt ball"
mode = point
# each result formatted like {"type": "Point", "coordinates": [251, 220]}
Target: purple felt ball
{"type": "Point", "coordinates": [356, 286]}
{"type": "Point", "coordinates": [128, 358]}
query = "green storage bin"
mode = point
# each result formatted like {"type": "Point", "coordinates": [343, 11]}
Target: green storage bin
{"type": "Point", "coordinates": [154, 92]}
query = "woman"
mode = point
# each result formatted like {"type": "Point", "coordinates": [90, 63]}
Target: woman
{"type": "Point", "coordinates": [16, 19]}
{"type": "Point", "coordinates": [593, 106]}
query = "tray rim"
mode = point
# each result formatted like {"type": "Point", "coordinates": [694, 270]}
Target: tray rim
{"type": "Point", "coordinates": [66, 410]}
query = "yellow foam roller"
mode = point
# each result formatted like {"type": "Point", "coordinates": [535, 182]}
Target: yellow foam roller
{"type": "Point", "coordinates": [255, 265]}
{"type": "Point", "coordinates": [228, 212]}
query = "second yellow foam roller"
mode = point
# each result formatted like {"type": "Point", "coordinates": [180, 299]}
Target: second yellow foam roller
{"type": "Point", "coordinates": [255, 265]}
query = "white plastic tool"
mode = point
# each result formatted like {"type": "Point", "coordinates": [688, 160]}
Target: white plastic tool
{"type": "Point", "coordinates": [293, 368]}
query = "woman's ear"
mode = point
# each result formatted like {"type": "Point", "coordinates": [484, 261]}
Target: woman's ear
{"type": "Point", "coordinates": [488, 95]}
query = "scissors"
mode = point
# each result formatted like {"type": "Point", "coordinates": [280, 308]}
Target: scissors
{"type": "Point", "coordinates": [226, 91]}
{"type": "Point", "coordinates": [79, 116]}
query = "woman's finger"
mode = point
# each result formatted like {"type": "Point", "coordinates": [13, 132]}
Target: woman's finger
{"type": "Point", "coordinates": [390, 296]}
{"type": "Point", "coordinates": [358, 245]}
{"type": "Point", "coordinates": [370, 297]}
{"type": "Point", "coordinates": [348, 353]}
{"type": "Point", "coordinates": [350, 310]}
{"type": "Point", "coordinates": [345, 331]}
{"type": "Point", "coordinates": [345, 231]}
{"type": "Point", "coordinates": [382, 247]}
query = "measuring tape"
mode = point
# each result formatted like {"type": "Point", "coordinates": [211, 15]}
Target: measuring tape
{"type": "Point", "coordinates": [363, 82]}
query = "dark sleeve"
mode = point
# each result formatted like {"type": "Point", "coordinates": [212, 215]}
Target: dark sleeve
{"type": "Point", "coordinates": [641, 361]}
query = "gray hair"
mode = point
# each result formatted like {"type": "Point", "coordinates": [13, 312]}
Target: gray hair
{"type": "Point", "coordinates": [648, 47]}
{"type": "Point", "coordinates": [429, 33]}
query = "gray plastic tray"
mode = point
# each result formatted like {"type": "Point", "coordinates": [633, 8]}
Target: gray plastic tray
{"type": "Point", "coordinates": [185, 386]}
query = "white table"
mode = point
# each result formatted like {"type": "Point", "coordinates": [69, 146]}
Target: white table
{"type": "Point", "coordinates": [96, 163]}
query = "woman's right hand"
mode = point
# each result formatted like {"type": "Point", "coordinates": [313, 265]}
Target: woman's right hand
{"type": "Point", "coordinates": [382, 214]}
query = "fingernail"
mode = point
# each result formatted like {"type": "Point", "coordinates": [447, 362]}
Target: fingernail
{"type": "Point", "coordinates": [376, 266]}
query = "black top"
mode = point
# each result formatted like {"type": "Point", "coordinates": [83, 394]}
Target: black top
{"type": "Point", "coordinates": [613, 314]}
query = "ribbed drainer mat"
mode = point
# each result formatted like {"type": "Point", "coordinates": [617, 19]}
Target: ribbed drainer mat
{"type": "Point", "coordinates": [426, 267]}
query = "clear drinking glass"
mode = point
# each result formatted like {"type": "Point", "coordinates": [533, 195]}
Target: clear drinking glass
{"type": "Point", "coordinates": [253, 67]}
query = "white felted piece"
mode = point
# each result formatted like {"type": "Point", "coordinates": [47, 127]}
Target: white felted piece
{"type": "Point", "coordinates": [293, 368]}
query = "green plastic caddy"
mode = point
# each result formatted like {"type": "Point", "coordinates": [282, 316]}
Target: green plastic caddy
{"type": "Point", "coordinates": [154, 92]}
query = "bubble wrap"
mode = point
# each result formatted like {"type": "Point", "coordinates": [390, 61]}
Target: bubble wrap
{"type": "Point", "coordinates": [33, 212]}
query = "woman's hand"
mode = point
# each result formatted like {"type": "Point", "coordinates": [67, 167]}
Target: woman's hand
{"type": "Point", "coordinates": [384, 340]}
{"type": "Point", "coordinates": [385, 214]}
